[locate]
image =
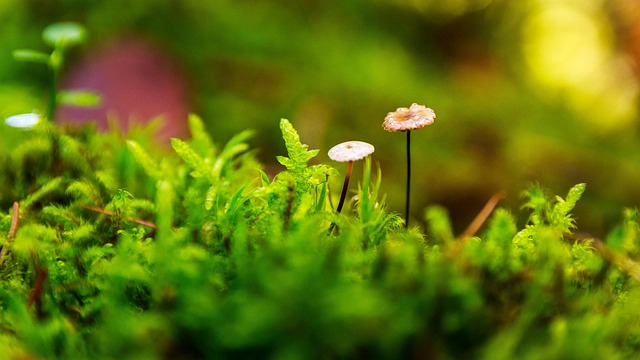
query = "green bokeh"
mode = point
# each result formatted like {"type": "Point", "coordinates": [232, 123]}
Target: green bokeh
{"type": "Point", "coordinates": [511, 109]}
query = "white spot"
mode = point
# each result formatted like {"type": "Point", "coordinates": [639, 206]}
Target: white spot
{"type": "Point", "coordinates": [23, 121]}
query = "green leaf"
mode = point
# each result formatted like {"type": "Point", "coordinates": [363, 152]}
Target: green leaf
{"type": "Point", "coordinates": [211, 197]}
{"type": "Point", "coordinates": [142, 157]}
{"type": "Point", "coordinates": [72, 153]}
{"type": "Point", "coordinates": [165, 198]}
{"type": "Point", "coordinates": [195, 161]}
{"type": "Point", "coordinates": [52, 186]}
{"type": "Point", "coordinates": [121, 199]}
{"type": "Point", "coordinates": [288, 163]}
{"type": "Point", "coordinates": [28, 55]}
{"type": "Point", "coordinates": [320, 202]}
{"type": "Point", "coordinates": [564, 206]}
{"type": "Point", "coordinates": [79, 98]}
{"type": "Point", "coordinates": [560, 215]}
{"type": "Point", "coordinates": [84, 191]}
{"type": "Point", "coordinates": [299, 155]}
{"type": "Point", "coordinates": [318, 173]}
{"type": "Point", "coordinates": [237, 144]}
{"type": "Point", "coordinates": [237, 199]}
{"type": "Point", "coordinates": [502, 228]}
{"type": "Point", "coordinates": [234, 146]}
{"type": "Point", "coordinates": [439, 224]}
{"type": "Point", "coordinates": [264, 177]}
{"type": "Point", "coordinates": [200, 139]}
{"type": "Point", "coordinates": [64, 34]}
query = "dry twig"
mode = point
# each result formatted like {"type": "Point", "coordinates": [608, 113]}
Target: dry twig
{"type": "Point", "coordinates": [627, 265]}
{"type": "Point", "coordinates": [482, 216]}
{"type": "Point", "coordinates": [15, 221]}
{"type": "Point", "coordinates": [109, 213]}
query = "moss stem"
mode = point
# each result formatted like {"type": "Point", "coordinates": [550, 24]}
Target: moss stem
{"type": "Point", "coordinates": [53, 96]}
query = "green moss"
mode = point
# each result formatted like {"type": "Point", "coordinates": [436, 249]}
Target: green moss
{"type": "Point", "coordinates": [116, 248]}
{"type": "Point", "coordinates": [208, 257]}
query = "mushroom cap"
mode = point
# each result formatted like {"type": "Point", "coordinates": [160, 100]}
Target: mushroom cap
{"type": "Point", "coordinates": [405, 119]}
{"type": "Point", "coordinates": [350, 151]}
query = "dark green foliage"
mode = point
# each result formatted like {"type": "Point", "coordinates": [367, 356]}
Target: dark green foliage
{"type": "Point", "coordinates": [137, 253]}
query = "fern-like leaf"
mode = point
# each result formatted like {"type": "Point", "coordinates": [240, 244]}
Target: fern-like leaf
{"type": "Point", "coordinates": [191, 157]}
{"type": "Point", "coordinates": [52, 186]}
{"type": "Point", "coordinates": [200, 140]}
{"type": "Point", "coordinates": [85, 192]}
{"type": "Point", "coordinates": [562, 206]}
{"type": "Point", "coordinates": [560, 215]}
{"type": "Point", "coordinates": [299, 155]}
{"type": "Point", "coordinates": [144, 159]}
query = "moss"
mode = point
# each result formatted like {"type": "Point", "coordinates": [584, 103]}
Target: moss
{"type": "Point", "coordinates": [208, 257]}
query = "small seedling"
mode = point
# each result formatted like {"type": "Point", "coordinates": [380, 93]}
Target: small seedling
{"type": "Point", "coordinates": [405, 120]}
{"type": "Point", "coordinates": [60, 36]}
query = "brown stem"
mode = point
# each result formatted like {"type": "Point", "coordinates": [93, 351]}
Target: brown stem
{"type": "Point", "coordinates": [626, 264]}
{"type": "Point", "coordinates": [38, 288]}
{"type": "Point", "coordinates": [482, 216]}
{"type": "Point", "coordinates": [345, 187]}
{"type": "Point", "coordinates": [109, 213]}
{"type": "Point", "coordinates": [15, 221]}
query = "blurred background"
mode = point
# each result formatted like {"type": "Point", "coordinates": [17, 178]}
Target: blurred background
{"type": "Point", "coordinates": [527, 91]}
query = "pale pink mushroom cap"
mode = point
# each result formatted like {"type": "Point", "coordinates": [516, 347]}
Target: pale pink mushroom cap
{"type": "Point", "coordinates": [350, 151]}
{"type": "Point", "coordinates": [412, 118]}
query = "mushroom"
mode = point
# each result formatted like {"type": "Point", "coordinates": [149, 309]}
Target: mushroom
{"type": "Point", "coordinates": [349, 151]}
{"type": "Point", "coordinates": [407, 119]}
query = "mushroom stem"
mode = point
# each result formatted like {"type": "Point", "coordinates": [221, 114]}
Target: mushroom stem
{"type": "Point", "coordinates": [345, 186]}
{"type": "Point", "coordinates": [406, 209]}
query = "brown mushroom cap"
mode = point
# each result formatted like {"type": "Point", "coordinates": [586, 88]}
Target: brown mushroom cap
{"type": "Point", "coordinates": [405, 119]}
{"type": "Point", "coordinates": [350, 151]}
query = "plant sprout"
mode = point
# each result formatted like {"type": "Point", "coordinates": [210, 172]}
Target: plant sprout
{"type": "Point", "coordinates": [60, 36]}
{"type": "Point", "coordinates": [407, 119]}
{"type": "Point", "coordinates": [349, 151]}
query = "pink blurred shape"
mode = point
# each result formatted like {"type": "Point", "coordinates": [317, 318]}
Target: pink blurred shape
{"type": "Point", "coordinates": [137, 82]}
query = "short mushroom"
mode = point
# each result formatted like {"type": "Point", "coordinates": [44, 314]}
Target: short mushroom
{"type": "Point", "coordinates": [407, 119]}
{"type": "Point", "coordinates": [349, 151]}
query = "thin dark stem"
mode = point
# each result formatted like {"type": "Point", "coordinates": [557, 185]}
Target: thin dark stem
{"type": "Point", "coordinates": [343, 194]}
{"type": "Point", "coordinates": [345, 186]}
{"type": "Point", "coordinates": [53, 100]}
{"type": "Point", "coordinates": [406, 209]}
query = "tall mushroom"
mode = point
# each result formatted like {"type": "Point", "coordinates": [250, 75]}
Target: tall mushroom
{"type": "Point", "coordinates": [407, 119]}
{"type": "Point", "coordinates": [349, 151]}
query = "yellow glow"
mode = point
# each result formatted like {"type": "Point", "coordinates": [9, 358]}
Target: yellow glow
{"type": "Point", "coordinates": [568, 50]}
{"type": "Point", "coordinates": [563, 44]}
{"type": "Point", "coordinates": [446, 8]}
